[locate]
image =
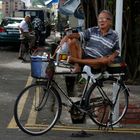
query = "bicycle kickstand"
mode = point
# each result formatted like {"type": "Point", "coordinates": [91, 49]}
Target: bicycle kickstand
{"type": "Point", "coordinates": [108, 125]}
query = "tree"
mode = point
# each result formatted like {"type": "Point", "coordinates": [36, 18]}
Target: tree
{"type": "Point", "coordinates": [36, 2]}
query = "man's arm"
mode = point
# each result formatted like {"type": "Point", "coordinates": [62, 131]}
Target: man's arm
{"type": "Point", "coordinates": [106, 60]}
{"type": "Point", "coordinates": [21, 30]}
{"type": "Point", "coordinates": [112, 57]}
{"type": "Point", "coordinates": [70, 36]}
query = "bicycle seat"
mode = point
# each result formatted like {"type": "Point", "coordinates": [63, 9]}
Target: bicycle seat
{"type": "Point", "coordinates": [118, 66]}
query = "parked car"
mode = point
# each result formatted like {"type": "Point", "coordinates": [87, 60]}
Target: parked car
{"type": "Point", "coordinates": [9, 32]}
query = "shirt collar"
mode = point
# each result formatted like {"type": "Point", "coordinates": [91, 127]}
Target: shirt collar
{"type": "Point", "coordinates": [109, 31]}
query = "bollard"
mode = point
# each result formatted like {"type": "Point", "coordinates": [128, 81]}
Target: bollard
{"type": "Point", "coordinates": [70, 85]}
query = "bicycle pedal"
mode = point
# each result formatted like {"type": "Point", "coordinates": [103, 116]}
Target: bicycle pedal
{"type": "Point", "coordinates": [93, 114]}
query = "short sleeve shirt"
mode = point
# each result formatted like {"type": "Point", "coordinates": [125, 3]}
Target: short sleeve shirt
{"type": "Point", "coordinates": [98, 45]}
{"type": "Point", "coordinates": [37, 24]}
{"type": "Point", "coordinates": [24, 26]}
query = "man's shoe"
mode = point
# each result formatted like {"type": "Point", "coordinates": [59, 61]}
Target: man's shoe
{"type": "Point", "coordinates": [21, 58]}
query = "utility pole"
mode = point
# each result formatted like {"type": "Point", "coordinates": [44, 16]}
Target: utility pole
{"type": "Point", "coordinates": [118, 28]}
{"type": "Point", "coordinates": [118, 20]}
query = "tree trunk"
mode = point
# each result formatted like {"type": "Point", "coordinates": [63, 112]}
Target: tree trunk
{"type": "Point", "coordinates": [89, 13]}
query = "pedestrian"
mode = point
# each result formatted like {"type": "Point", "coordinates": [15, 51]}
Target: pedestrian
{"type": "Point", "coordinates": [26, 31]}
{"type": "Point", "coordinates": [38, 27]}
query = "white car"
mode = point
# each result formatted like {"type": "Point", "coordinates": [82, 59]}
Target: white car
{"type": "Point", "coordinates": [9, 32]}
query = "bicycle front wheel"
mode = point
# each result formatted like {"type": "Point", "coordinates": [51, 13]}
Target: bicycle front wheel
{"type": "Point", "coordinates": [108, 102]}
{"type": "Point", "coordinates": [37, 109]}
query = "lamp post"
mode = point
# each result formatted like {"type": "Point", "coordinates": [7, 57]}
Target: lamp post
{"type": "Point", "coordinates": [118, 20]}
{"type": "Point", "coordinates": [118, 28]}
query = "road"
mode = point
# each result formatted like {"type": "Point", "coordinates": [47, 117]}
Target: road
{"type": "Point", "coordinates": [13, 78]}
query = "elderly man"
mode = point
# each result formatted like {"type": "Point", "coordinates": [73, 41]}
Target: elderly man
{"type": "Point", "coordinates": [102, 44]}
{"type": "Point", "coordinates": [25, 30]}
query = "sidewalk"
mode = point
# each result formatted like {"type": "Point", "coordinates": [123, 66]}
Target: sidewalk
{"type": "Point", "coordinates": [132, 117]}
{"type": "Point", "coordinates": [133, 114]}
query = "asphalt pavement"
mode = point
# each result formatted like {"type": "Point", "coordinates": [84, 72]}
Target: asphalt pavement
{"type": "Point", "coordinates": [14, 74]}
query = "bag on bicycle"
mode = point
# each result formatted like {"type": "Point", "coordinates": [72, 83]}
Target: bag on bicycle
{"type": "Point", "coordinates": [118, 66]}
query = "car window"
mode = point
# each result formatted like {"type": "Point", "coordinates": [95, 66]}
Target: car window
{"type": "Point", "coordinates": [9, 21]}
{"type": "Point", "coordinates": [4, 22]}
{"type": "Point", "coordinates": [13, 21]}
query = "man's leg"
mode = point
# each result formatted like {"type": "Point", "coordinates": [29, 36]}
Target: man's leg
{"type": "Point", "coordinates": [75, 51]}
{"type": "Point", "coordinates": [95, 63]}
{"type": "Point", "coordinates": [32, 41]}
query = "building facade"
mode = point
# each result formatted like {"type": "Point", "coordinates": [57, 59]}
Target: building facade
{"type": "Point", "coordinates": [11, 7]}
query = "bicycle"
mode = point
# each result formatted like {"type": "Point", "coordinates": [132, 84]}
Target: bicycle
{"type": "Point", "coordinates": [42, 100]}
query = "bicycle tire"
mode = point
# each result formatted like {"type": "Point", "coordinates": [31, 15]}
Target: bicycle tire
{"type": "Point", "coordinates": [101, 111]}
{"type": "Point", "coordinates": [37, 109]}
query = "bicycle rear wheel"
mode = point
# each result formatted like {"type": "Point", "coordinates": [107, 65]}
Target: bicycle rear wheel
{"type": "Point", "coordinates": [37, 109]}
{"type": "Point", "coordinates": [103, 112]}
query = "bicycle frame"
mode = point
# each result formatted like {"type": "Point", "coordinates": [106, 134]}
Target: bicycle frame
{"type": "Point", "coordinates": [66, 96]}
{"type": "Point", "coordinates": [94, 81]}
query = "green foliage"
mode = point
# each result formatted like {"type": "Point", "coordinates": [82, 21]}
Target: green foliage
{"type": "Point", "coordinates": [110, 2]}
{"type": "Point", "coordinates": [36, 2]}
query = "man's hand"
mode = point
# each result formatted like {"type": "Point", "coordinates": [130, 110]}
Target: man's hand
{"type": "Point", "coordinates": [64, 39]}
{"type": "Point", "coordinates": [106, 60]}
{"type": "Point", "coordinates": [110, 59]}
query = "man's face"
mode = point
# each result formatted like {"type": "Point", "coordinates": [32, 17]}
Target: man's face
{"type": "Point", "coordinates": [27, 19]}
{"type": "Point", "coordinates": [104, 21]}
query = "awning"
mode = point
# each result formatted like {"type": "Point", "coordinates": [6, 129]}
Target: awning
{"type": "Point", "coordinates": [65, 12]}
{"type": "Point", "coordinates": [69, 7]}
{"type": "Point", "coordinates": [79, 13]}
{"type": "Point", "coordinates": [49, 2]}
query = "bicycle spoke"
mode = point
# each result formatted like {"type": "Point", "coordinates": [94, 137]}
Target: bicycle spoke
{"type": "Point", "coordinates": [101, 99]}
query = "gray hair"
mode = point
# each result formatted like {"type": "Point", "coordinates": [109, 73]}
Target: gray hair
{"type": "Point", "coordinates": [108, 13]}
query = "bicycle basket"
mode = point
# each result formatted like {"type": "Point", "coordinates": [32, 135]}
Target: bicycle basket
{"type": "Point", "coordinates": [42, 67]}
